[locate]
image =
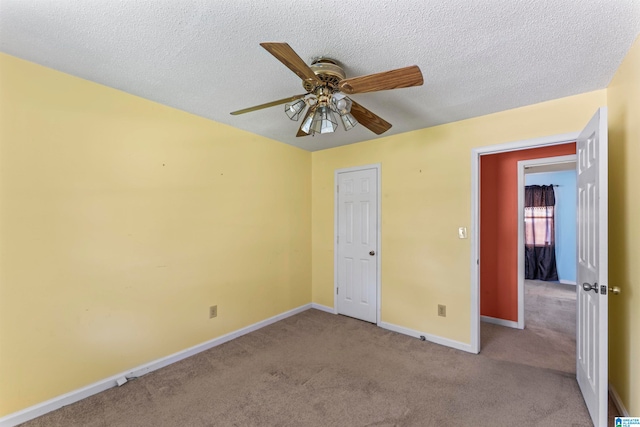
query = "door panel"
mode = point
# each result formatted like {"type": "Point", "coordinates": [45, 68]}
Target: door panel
{"type": "Point", "coordinates": [357, 239]}
{"type": "Point", "coordinates": [592, 326]}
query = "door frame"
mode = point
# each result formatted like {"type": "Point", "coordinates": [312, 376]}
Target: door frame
{"type": "Point", "coordinates": [476, 154]}
{"type": "Point", "coordinates": [522, 165]}
{"type": "Point", "coordinates": [378, 168]}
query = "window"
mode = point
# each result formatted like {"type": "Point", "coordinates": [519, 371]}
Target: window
{"type": "Point", "coordinates": [539, 226]}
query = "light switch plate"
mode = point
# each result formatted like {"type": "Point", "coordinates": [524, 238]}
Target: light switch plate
{"type": "Point", "coordinates": [462, 232]}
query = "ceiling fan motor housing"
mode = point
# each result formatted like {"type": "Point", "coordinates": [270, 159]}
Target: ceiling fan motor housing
{"type": "Point", "coordinates": [328, 71]}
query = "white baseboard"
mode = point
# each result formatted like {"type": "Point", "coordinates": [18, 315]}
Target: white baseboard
{"type": "Point", "coordinates": [107, 383]}
{"type": "Point", "coordinates": [431, 338]}
{"type": "Point", "coordinates": [567, 282]}
{"type": "Point", "coordinates": [323, 308]}
{"type": "Point", "coordinates": [501, 322]}
{"type": "Point", "coordinates": [617, 401]}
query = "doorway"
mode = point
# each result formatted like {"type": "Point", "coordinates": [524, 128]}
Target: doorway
{"type": "Point", "coordinates": [500, 225]}
{"type": "Point", "coordinates": [560, 172]}
{"type": "Point", "coordinates": [546, 242]}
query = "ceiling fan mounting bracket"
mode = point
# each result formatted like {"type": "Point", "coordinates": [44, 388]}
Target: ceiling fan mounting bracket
{"type": "Point", "coordinates": [324, 59]}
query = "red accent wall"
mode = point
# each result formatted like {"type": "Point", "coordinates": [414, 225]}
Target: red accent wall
{"type": "Point", "coordinates": [499, 228]}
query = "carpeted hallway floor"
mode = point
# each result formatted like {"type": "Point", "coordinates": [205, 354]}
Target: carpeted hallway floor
{"type": "Point", "coordinates": [549, 338]}
{"type": "Point", "coordinates": [319, 369]}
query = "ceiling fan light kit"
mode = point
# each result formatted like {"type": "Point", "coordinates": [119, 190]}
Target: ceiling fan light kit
{"type": "Point", "coordinates": [326, 89]}
{"type": "Point", "coordinates": [348, 121]}
{"type": "Point", "coordinates": [294, 110]}
{"type": "Point", "coordinates": [323, 121]}
{"type": "Point", "coordinates": [323, 108]}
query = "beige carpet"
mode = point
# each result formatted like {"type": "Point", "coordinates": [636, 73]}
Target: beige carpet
{"type": "Point", "coordinates": [549, 338]}
{"type": "Point", "coordinates": [318, 369]}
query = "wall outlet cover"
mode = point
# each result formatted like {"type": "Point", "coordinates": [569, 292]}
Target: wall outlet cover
{"type": "Point", "coordinates": [442, 310]}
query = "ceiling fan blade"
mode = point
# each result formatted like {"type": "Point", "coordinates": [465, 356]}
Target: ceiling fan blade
{"type": "Point", "coordinates": [369, 120]}
{"type": "Point", "coordinates": [300, 131]}
{"type": "Point", "coordinates": [286, 55]}
{"type": "Point", "coordinates": [394, 79]}
{"type": "Point", "coordinates": [268, 104]}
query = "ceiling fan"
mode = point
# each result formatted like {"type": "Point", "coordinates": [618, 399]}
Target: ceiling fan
{"type": "Point", "coordinates": [326, 93]}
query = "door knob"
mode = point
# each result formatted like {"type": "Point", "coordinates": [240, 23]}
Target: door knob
{"type": "Point", "coordinates": [372, 253]}
{"type": "Point", "coordinates": [615, 290]}
{"type": "Point", "coordinates": [588, 287]}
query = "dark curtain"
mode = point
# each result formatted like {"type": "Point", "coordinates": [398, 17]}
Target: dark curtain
{"type": "Point", "coordinates": [540, 246]}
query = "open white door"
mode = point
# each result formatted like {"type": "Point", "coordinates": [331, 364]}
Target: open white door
{"type": "Point", "coordinates": [592, 327]}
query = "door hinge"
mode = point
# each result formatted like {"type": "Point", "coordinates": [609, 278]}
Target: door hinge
{"type": "Point", "coordinates": [337, 291]}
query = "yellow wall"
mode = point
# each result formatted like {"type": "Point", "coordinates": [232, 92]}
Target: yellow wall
{"type": "Point", "coordinates": [122, 220]}
{"type": "Point", "coordinates": [426, 196]}
{"type": "Point", "coordinates": [623, 98]}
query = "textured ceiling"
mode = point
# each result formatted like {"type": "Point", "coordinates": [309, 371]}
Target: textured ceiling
{"type": "Point", "coordinates": [477, 56]}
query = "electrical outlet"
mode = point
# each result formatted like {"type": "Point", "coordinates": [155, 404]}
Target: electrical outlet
{"type": "Point", "coordinates": [442, 310]}
{"type": "Point", "coordinates": [213, 311]}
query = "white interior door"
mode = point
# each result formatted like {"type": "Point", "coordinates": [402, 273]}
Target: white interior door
{"type": "Point", "coordinates": [357, 244]}
{"type": "Point", "coordinates": [592, 339]}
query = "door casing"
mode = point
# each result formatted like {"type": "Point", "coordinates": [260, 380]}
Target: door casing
{"type": "Point", "coordinates": [377, 167]}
